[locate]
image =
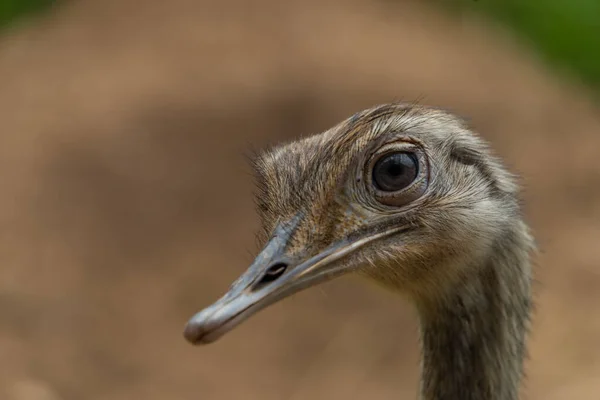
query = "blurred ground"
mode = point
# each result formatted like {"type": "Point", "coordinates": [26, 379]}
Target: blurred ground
{"type": "Point", "coordinates": [126, 199]}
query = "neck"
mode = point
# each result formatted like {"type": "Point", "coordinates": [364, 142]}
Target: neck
{"type": "Point", "coordinates": [474, 338]}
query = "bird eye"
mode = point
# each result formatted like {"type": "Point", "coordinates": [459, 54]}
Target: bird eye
{"type": "Point", "coordinates": [395, 171]}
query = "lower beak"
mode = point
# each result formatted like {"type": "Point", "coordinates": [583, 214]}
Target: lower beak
{"type": "Point", "coordinates": [271, 277]}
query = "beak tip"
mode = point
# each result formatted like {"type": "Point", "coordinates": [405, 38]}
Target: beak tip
{"type": "Point", "coordinates": [197, 334]}
{"type": "Point", "coordinates": [192, 334]}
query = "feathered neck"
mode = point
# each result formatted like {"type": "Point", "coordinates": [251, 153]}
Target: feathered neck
{"type": "Point", "coordinates": [474, 338]}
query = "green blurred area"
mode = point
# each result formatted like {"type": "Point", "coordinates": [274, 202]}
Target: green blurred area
{"type": "Point", "coordinates": [566, 33]}
{"type": "Point", "coordinates": [12, 10]}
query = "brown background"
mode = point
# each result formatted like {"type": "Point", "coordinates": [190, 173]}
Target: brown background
{"type": "Point", "coordinates": [126, 198]}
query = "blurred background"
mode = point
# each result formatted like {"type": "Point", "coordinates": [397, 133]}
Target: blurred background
{"type": "Point", "coordinates": [126, 206]}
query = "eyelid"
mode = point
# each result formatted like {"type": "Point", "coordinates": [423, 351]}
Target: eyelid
{"type": "Point", "coordinates": [403, 144]}
{"type": "Point", "coordinates": [396, 146]}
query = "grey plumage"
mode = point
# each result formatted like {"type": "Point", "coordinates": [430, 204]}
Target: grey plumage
{"type": "Point", "coordinates": [452, 241]}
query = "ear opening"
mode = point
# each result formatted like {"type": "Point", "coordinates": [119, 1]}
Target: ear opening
{"type": "Point", "coordinates": [465, 155]}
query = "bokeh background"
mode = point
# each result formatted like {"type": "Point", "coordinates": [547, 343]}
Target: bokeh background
{"type": "Point", "coordinates": [125, 200]}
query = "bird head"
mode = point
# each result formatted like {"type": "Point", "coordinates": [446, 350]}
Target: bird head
{"type": "Point", "coordinates": [403, 194]}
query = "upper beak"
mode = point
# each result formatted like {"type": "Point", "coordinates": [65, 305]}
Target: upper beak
{"type": "Point", "coordinates": [272, 276]}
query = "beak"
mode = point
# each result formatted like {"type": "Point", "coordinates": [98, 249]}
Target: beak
{"type": "Point", "coordinates": [272, 276]}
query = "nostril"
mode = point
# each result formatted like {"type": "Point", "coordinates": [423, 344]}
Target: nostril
{"type": "Point", "coordinates": [271, 274]}
{"type": "Point", "coordinates": [274, 272]}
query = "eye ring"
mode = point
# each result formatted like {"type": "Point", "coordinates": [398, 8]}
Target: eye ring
{"type": "Point", "coordinates": [410, 174]}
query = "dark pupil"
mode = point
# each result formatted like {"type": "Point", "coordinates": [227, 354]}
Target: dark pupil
{"type": "Point", "coordinates": [395, 171]}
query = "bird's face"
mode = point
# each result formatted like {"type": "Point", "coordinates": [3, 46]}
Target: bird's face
{"type": "Point", "coordinates": [405, 195]}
